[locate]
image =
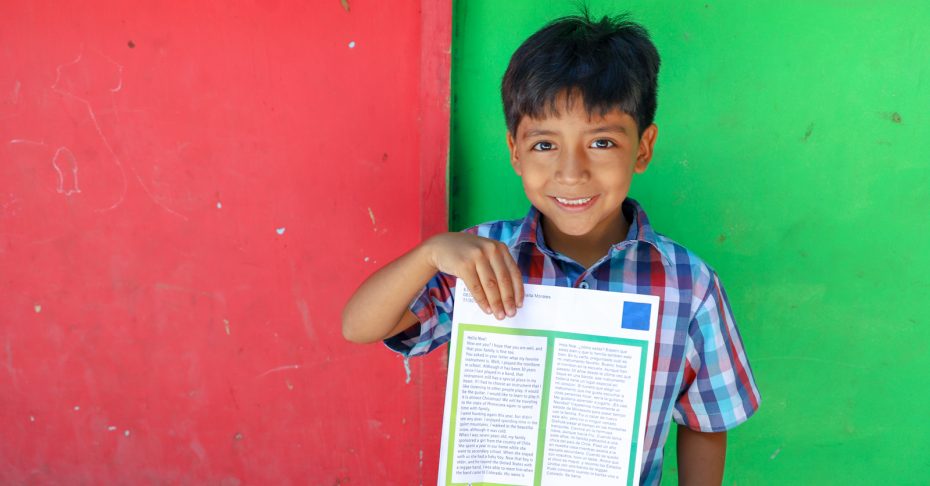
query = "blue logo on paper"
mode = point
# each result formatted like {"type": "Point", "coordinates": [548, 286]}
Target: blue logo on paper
{"type": "Point", "coordinates": [636, 316]}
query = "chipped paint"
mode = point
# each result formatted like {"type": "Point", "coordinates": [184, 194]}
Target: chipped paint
{"type": "Point", "coordinates": [38, 308]}
{"type": "Point", "coordinates": [345, 5]}
{"type": "Point", "coordinates": [407, 370]}
{"type": "Point", "coordinates": [226, 325]}
{"type": "Point", "coordinates": [281, 230]}
{"type": "Point", "coordinates": [351, 44]}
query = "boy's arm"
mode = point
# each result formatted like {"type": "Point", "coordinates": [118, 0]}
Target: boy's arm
{"type": "Point", "coordinates": [379, 307]}
{"type": "Point", "coordinates": [701, 456]}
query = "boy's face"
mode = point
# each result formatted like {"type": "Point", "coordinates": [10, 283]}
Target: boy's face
{"type": "Point", "coordinates": [577, 168]}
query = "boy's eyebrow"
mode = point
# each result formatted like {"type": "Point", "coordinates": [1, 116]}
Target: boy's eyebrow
{"type": "Point", "coordinates": [537, 132]}
{"type": "Point", "coordinates": [607, 128]}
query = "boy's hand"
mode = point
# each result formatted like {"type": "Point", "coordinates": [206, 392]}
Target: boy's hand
{"type": "Point", "coordinates": [485, 266]}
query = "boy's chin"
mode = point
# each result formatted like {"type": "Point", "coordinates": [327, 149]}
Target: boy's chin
{"type": "Point", "coordinates": [570, 230]}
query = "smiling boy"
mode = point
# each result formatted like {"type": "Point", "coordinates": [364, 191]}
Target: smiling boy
{"type": "Point", "coordinates": [579, 99]}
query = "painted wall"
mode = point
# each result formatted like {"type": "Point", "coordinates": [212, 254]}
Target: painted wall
{"type": "Point", "coordinates": [189, 191]}
{"type": "Point", "coordinates": [793, 156]}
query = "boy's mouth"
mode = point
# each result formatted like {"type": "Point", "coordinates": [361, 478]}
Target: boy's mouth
{"type": "Point", "coordinates": [574, 203]}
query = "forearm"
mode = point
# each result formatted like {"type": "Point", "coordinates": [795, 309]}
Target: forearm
{"type": "Point", "coordinates": [701, 457]}
{"type": "Point", "coordinates": [379, 305]}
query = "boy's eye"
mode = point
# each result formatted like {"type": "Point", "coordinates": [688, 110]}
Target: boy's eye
{"type": "Point", "coordinates": [543, 146]}
{"type": "Point", "coordinates": [602, 143]}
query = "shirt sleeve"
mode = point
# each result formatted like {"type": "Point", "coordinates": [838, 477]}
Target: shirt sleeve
{"type": "Point", "coordinates": [433, 308]}
{"type": "Point", "coordinates": [719, 389]}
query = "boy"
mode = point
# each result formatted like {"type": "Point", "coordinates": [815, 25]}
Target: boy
{"type": "Point", "coordinates": [579, 98]}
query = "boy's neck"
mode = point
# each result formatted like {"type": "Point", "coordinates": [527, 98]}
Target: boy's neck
{"type": "Point", "coordinates": [589, 248]}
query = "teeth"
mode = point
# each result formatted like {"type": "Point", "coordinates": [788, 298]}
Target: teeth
{"type": "Point", "coordinates": [573, 202]}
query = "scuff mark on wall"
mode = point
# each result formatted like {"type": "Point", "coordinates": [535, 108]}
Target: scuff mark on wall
{"type": "Point", "coordinates": [305, 317]}
{"type": "Point", "coordinates": [893, 116]}
{"type": "Point", "coordinates": [64, 158]}
{"type": "Point", "coordinates": [56, 87]}
{"type": "Point", "coordinates": [8, 348]}
{"type": "Point", "coordinates": [279, 368]}
{"type": "Point", "coordinates": [420, 467]}
{"type": "Point", "coordinates": [808, 132]}
{"type": "Point", "coordinates": [407, 370]}
{"type": "Point", "coordinates": [91, 113]}
{"type": "Point", "coordinates": [9, 208]}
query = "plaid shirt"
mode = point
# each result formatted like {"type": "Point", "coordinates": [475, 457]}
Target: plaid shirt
{"type": "Point", "coordinates": [701, 377]}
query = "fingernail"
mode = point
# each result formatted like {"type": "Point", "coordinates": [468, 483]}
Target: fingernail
{"type": "Point", "coordinates": [499, 315]}
{"type": "Point", "coordinates": [511, 312]}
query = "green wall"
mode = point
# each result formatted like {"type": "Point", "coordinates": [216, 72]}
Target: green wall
{"type": "Point", "coordinates": [794, 156]}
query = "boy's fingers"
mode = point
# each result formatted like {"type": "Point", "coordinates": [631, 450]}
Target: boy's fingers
{"type": "Point", "coordinates": [517, 278]}
{"type": "Point", "coordinates": [474, 286]}
{"type": "Point", "coordinates": [505, 282]}
{"type": "Point", "coordinates": [491, 287]}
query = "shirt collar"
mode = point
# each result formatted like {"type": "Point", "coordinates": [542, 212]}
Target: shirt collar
{"type": "Point", "coordinates": [640, 230]}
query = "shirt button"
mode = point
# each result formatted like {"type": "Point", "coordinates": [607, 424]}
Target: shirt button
{"type": "Point", "coordinates": [583, 285]}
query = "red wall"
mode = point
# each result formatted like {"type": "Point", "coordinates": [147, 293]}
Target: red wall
{"type": "Point", "coordinates": [188, 194]}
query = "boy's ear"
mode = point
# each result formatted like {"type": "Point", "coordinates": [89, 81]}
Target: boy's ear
{"type": "Point", "coordinates": [514, 158]}
{"type": "Point", "coordinates": [646, 144]}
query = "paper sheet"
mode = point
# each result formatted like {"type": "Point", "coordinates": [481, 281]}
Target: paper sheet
{"type": "Point", "coordinates": [556, 395]}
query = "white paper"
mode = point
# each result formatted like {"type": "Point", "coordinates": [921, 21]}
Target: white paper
{"type": "Point", "coordinates": [557, 395]}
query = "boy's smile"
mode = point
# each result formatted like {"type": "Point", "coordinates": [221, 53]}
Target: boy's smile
{"type": "Point", "coordinates": [576, 169]}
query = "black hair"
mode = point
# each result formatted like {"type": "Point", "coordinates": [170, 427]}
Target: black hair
{"type": "Point", "coordinates": [611, 63]}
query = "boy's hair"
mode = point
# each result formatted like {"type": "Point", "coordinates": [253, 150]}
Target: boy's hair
{"type": "Point", "coordinates": [611, 63]}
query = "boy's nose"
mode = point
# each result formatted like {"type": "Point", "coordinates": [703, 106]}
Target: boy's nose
{"type": "Point", "coordinates": [572, 168]}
